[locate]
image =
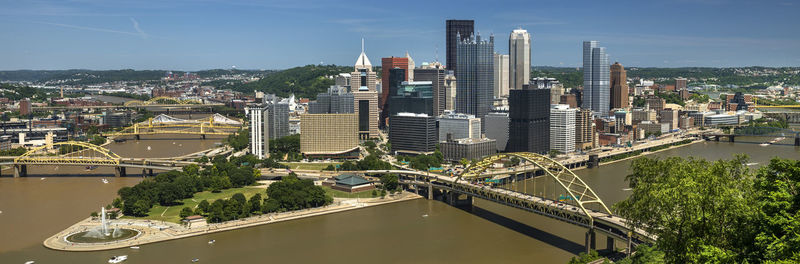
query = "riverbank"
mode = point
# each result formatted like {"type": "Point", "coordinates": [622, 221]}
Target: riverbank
{"type": "Point", "coordinates": [647, 153]}
{"type": "Point", "coordinates": [157, 231]}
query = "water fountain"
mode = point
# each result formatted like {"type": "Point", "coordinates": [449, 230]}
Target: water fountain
{"type": "Point", "coordinates": [102, 233]}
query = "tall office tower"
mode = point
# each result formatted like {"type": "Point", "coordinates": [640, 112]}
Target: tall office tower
{"type": "Point", "coordinates": [329, 135]}
{"type": "Point", "coordinates": [412, 97]}
{"type": "Point", "coordinates": [529, 125]}
{"type": "Point", "coordinates": [411, 67]}
{"type": "Point", "coordinates": [259, 132]}
{"type": "Point", "coordinates": [680, 83]}
{"type": "Point", "coordinates": [556, 88]}
{"type": "Point", "coordinates": [458, 126]}
{"type": "Point", "coordinates": [519, 58]}
{"type": "Point", "coordinates": [25, 107]}
{"type": "Point", "coordinates": [278, 116]}
{"type": "Point", "coordinates": [475, 76]}
{"type": "Point", "coordinates": [497, 128]}
{"type": "Point", "coordinates": [363, 84]}
{"type": "Point", "coordinates": [436, 74]}
{"type": "Point", "coordinates": [562, 128]}
{"type": "Point", "coordinates": [619, 86]}
{"type": "Point", "coordinates": [413, 133]}
{"type": "Point", "coordinates": [584, 131]}
{"type": "Point", "coordinates": [596, 82]}
{"type": "Point", "coordinates": [394, 78]}
{"type": "Point", "coordinates": [501, 74]}
{"type": "Point", "coordinates": [450, 91]}
{"type": "Point", "coordinates": [388, 64]}
{"type": "Point", "coordinates": [336, 101]}
{"type": "Point", "coordinates": [457, 31]}
{"type": "Point", "coordinates": [365, 105]}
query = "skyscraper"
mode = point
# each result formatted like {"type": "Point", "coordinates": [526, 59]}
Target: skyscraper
{"type": "Point", "coordinates": [562, 128]}
{"type": "Point", "coordinates": [529, 125]}
{"type": "Point", "coordinates": [475, 76]}
{"type": "Point", "coordinates": [388, 64]}
{"type": "Point", "coordinates": [410, 75]}
{"type": "Point", "coordinates": [412, 97]}
{"type": "Point", "coordinates": [278, 111]}
{"type": "Point", "coordinates": [259, 132]}
{"type": "Point", "coordinates": [392, 79]}
{"type": "Point", "coordinates": [584, 130]}
{"type": "Point", "coordinates": [413, 133]}
{"type": "Point", "coordinates": [436, 74]}
{"type": "Point", "coordinates": [519, 58]}
{"type": "Point", "coordinates": [456, 28]}
{"type": "Point", "coordinates": [501, 85]}
{"type": "Point", "coordinates": [596, 84]}
{"type": "Point", "coordinates": [336, 101]}
{"type": "Point", "coordinates": [366, 96]}
{"type": "Point", "coordinates": [619, 86]}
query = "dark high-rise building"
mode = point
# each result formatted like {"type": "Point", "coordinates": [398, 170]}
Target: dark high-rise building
{"type": "Point", "coordinates": [738, 99]}
{"type": "Point", "coordinates": [388, 64]}
{"type": "Point", "coordinates": [436, 75]}
{"type": "Point", "coordinates": [395, 79]}
{"type": "Point", "coordinates": [619, 86]}
{"type": "Point", "coordinates": [413, 133]}
{"type": "Point", "coordinates": [475, 76]}
{"type": "Point", "coordinates": [412, 97]}
{"type": "Point", "coordinates": [529, 125]}
{"type": "Point", "coordinates": [464, 28]}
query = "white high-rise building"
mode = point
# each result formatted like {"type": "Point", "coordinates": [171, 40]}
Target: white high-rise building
{"type": "Point", "coordinates": [500, 75]}
{"type": "Point", "coordinates": [259, 131]}
{"type": "Point", "coordinates": [519, 57]}
{"type": "Point", "coordinates": [411, 67]}
{"type": "Point", "coordinates": [562, 128]}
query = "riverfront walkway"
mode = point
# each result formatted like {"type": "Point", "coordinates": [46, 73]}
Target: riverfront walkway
{"type": "Point", "coordinates": [158, 231]}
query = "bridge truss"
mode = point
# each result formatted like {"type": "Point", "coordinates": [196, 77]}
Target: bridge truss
{"type": "Point", "coordinates": [162, 99]}
{"type": "Point", "coordinates": [84, 154]}
{"type": "Point", "coordinates": [163, 124]}
{"type": "Point", "coordinates": [579, 193]}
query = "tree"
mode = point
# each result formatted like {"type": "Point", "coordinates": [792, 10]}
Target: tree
{"type": "Point", "coordinates": [389, 181]}
{"type": "Point", "coordinates": [645, 255]}
{"type": "Point", "coordinates": [215, 211]}
{"type": "Point", "coordinates": [140, 208]}
{"type": "Point", "coordinates": [186, 212]}
{"type": "Point", "coordinates": [94, 214]}
{"type": "Point", "coordinates": [777, 192]}
{"type": "Point", "coordinates": [203, 206]}
{"type": "Point", "coordinates": [692, 205]}
{"type": "Point", "coordinates": [117, 203]}
{"type": "Point", "coordinates": [554, 153]}
{"type": "Point", "coordinates": [254, 204]}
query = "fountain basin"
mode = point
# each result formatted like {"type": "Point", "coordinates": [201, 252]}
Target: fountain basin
{"type": "Point", "coordinates": [92, 236]}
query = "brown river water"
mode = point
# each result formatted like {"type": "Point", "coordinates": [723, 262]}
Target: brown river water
{"type": "Point", "coordinates": [34, 209]}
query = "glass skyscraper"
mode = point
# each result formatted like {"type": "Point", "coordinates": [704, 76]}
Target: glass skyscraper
{"type": "Point", "coordinates": [596, 79]}
{"type": "Point", "coordinates": [456, 28]}
{"type": "Point", "coordinates": [475, 76]}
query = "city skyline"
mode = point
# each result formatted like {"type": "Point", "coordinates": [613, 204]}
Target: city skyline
{"type": "Point", "coordinates": [176, 35]}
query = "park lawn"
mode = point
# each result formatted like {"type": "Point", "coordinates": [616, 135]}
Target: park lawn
{"type": "Point", "coordinates": [172, 213]}
{"type": "Point", "coordinates": [310, 166]}
{"type": "Point", "coordinates": [341, 194]}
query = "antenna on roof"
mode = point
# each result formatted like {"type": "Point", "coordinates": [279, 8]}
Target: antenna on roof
{"type": "Point", "coordinates": [362, 45]}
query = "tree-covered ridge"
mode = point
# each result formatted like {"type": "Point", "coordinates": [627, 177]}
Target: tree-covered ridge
{"type": "Point", "coordinates": [84, 77]}
{"type": "Point", "coordinates": [305, 82]}
{"type": "Point", "coordinates": [717, 212]}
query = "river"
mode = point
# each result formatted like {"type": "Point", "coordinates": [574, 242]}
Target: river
{"type": "Point", "coordinates": [33, 209]}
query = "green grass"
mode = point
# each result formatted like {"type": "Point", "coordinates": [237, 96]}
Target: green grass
{"type": "Point", "coordinates": [172, 213]}
{"type": "Point", "coordinates": [309, 166]}
{"type": "Point", "coordinates": [341, 194]}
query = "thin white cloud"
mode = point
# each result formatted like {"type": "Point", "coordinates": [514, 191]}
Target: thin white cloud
{"type": "Point", "coordinates": [91, 28]}
{"type": "Point", "coordinates": [138, 30]}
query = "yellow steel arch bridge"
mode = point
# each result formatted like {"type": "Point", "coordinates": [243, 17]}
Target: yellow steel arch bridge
{"type": "Point", "coordinates": [163, 124]}
{"type": "Point", "coordinates": [84, 154]}
{"type": "Point", "coordinates": [162, 100]}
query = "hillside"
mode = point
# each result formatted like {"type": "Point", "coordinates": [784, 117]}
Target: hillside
{"type": "Point", "coordinates": [306, 81]}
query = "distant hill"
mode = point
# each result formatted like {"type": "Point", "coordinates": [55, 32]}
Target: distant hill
{"type": "Point", "coordinates": [85, 77]}
{"type": "Point", "coordinates": [306, 81]}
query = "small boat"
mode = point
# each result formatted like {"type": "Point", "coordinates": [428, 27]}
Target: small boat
{"type": "Point", "coordinates": [135, 247]}
{"type": "Point", "coordinates": [30, 262]}
{"type": "Point", "coordinates": [117, 259]}
{"type": "Point", "coordinates": [764, 144]}
{"type": "Point", "coordinates": [148, 148]}
{"type": "Point", "coordinates": [212, 241]}
{"type": "Point", "coordinates": [105, 181]}
{"type": "Point", "coordinates": [627, 189]}
{"type": "Point", "coordinates": [42, 178]}
{"type": "Point", "coordinates": [752, 163]}
{"type": "Point", "coordinates": [425, 215]}
{"type": "Point", "coordinates": [195, 260]}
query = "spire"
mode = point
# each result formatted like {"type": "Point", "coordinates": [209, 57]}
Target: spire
{"type": "Point", "coordinates": [362, 45]}
{"type": "Point", "coordinates": [362, 62]}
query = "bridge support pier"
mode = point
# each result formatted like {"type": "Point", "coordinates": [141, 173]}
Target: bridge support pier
{"type": "Point", "coordinates": [430, 192]}
{"type": "Point", "coordinates": [20, 171]}
{"type": "Point", "coordinates": [797, 141]}
{"type": "Point", "coordinates": [590, 239]}
{"type": "Point", "coordinates": [610, 244]}
{"type": "Point", "coordinates": [630, 244]}
{"type": "Point", "coordinates": [204, 136]}
{"type": "Point", "coordinates": [137, 137]}
{"type": "Point", "coordinates": [732, 138]}
{"type": "Point", "coordinates": [119, 172]}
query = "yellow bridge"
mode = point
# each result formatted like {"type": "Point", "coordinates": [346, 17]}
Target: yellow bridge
{"type": "Point", "coordinates": [86, 154]}
{"type": "Point", "coordinates": [163, 124]}
{"type": "Point", "coordinates": [162, 100]}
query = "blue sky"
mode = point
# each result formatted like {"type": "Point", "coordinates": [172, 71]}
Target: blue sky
{"type": "Point", "coordinates": [249, 34]}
